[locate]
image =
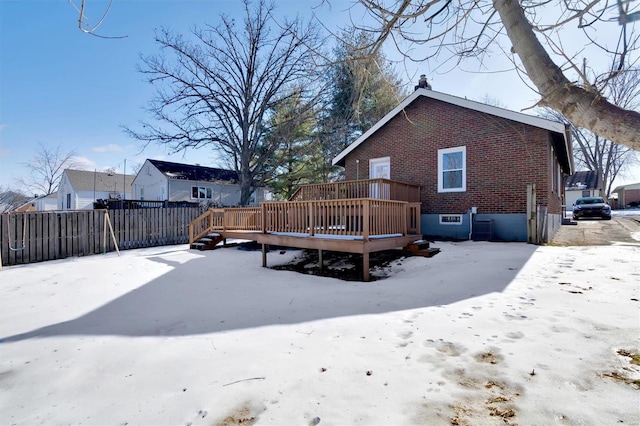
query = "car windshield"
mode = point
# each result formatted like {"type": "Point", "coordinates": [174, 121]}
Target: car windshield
{"type": "Point", "coordinates": [592, 200]}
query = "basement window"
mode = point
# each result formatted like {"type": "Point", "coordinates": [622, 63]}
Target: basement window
{"type": "Point", "coordinates": [450, 219]}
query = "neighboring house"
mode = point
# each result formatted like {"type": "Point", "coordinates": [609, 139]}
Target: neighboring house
{"type": "Point", "coordinates": [26, 206]}
{"type": "Point", "coordinates": [582, 184]}
{"type": "Point", "coordinates": [47, 202]}
{"type": "Point", "coordinates": [79, 189]}
{"type": "Point", "coordinates": [163, 180]}
{"type": "Point", "coordinates": [472, 161]}
{"type": "Point", "coordinates": [627, 195]}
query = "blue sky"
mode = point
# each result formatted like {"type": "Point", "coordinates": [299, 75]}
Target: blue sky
{"type": "Point", "coordinates": [61, 86]}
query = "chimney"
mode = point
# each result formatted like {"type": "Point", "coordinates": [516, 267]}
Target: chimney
{"type": "Point", "coordinates": [423, 83]}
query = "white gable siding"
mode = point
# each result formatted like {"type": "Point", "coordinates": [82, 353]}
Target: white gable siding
{"type": "Point", "coordinates": [150, 184]}
{"type": "Point", "coordinates": [64, 188]}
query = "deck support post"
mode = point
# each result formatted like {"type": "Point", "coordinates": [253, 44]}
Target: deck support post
{"type": "Point", "coordinates": [365, 266]}
{"type": "Point", "coordinates": [320, 259]}
{"type": "Point", "coordinates": [264, 255]}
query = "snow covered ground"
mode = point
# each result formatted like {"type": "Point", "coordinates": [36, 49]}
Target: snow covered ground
{"type": "Point", "coordinates": [482, 333]}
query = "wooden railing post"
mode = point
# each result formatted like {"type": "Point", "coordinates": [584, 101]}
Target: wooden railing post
{"type": "Point", "coordinates": [365, 218]}
{"type": "Point", "coordinates": [311, 221]}
{"type": "Point", "coordinates": [404, 220]}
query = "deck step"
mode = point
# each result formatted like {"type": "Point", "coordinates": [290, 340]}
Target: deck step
{"type": "Point", "coordinates": [421, 248]}
{"type": "Point", "coordinates": [430, 252]}
{"type": "Point", "coordinates": [209, 242]}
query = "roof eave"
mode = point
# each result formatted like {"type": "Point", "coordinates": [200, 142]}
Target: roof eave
{"type": "Point", "coordinates": [552, 126]}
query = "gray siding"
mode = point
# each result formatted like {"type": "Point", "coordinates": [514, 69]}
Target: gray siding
{"type": "Point", "coordinates": [506, 227]}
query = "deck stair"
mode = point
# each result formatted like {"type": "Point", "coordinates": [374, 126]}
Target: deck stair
{"type": "Point", "coordinates": [421, 248]}
{"type": "Point", "coordinates": [208, 242]}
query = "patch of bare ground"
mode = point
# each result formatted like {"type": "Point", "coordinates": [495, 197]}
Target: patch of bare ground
{"type": "Point", "coordinates": [629, 374]}
{"type": "Point", "coordinates": [490, 357]}
{"type": "Point", "coordinates": [245, 415]}
{"type": "Point", "coordinates": [493, 405]}
{"type": "Point", "coordinates": [343, 266]}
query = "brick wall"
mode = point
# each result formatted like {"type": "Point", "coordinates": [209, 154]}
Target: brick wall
{"type": "Point", "coordinates": [631, 195]}
{"type": "Point", "coordinates": [502, 157]}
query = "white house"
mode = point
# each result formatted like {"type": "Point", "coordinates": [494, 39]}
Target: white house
{"type": "Point", "coordinates": [78, 189]}
{"type": "Point", "coordinates": [47, 202]}
{"type": "Point", "coordinates": [582, 184]}
{"type": "Point", "coordinates": [167, 181]}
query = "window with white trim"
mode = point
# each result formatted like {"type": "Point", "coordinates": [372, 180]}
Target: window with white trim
{"type": "Point", "coordinates": [452, 169]}
{"type": "Point", "coordinates": [450, 219]}
{"type": "Point", "coordinates": [201, 192]}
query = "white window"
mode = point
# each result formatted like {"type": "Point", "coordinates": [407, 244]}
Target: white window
{"type": "Point", "coordinates": [201, 192]}
{"type": "Point", "coordinates": [450, 219]}
{"type": "Point", "coordinates": [452, 169]}
{"type": "Point", "coordinates": [380, 168]}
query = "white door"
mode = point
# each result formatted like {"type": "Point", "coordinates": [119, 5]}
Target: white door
{"type": "Point", "coordinates": [379, 168]}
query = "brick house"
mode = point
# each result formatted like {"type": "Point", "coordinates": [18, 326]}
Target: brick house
{"type": "Point", "coordinates": [627, 196]}
{"type": "Point", "coordinates": [473, 163]}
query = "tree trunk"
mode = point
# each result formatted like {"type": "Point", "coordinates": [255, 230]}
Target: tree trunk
{"type": "Point", "coordinates": [245, 191]}
{"type": "Point", "coordinates": [584, 108]}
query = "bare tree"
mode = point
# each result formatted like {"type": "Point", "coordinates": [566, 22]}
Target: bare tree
{"type": "Point", "coordinates": [217, 91]}
{"type": "Point", "coordinates": [473, 29]}
{"type": "Point", "coordinates": [46, 169]}
{"type": "Point", "coordinates": [598, 154]}
{"type": "Point", "coordinates": [83, 24]}
{"type": "Point", "coordinates": [11, 199]}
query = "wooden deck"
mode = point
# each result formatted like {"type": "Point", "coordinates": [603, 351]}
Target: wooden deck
{"type": "Point", "coordinates": [351, 225]}
{"type": "Point", "coordinates": [385, 189]}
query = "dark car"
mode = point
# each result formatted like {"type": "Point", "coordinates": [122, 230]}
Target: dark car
{"type": "Point", "coordinates": [591, 207]}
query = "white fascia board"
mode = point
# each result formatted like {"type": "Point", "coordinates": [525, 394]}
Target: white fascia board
{"type": "Point", "coordinates": [531, 120]}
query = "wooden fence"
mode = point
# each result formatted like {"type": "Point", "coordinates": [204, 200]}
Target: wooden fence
{"type": "Point", "coordinates": [40, 236]}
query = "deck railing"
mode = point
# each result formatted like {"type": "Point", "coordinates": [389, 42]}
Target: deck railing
{"type": "Point", "coordinates": [360, 217]}
{"type": "Point", "coordinates": [384, 189]}
{"type": "Point", "coordinates": [231, 219]}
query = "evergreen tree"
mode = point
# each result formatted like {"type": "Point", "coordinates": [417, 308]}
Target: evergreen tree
{"type": "Point", "coordinates": [364, 87]}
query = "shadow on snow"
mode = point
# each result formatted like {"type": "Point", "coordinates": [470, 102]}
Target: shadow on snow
{"type": "Point", "coordinates": [215, 293]}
